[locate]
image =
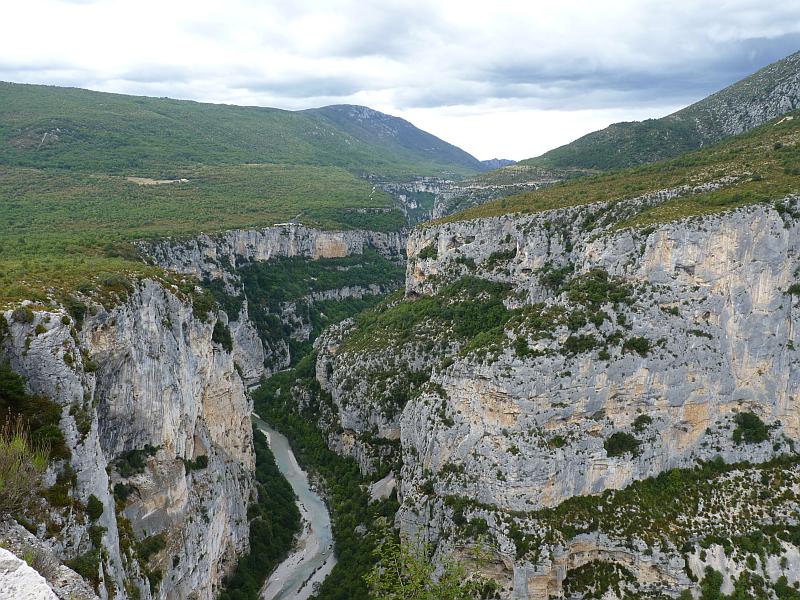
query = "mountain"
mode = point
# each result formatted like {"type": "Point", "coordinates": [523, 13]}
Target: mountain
{"type": "Point", "coordinates": [375, 128]}
{"type": "Point", "coordinates": [497, 163]}
{"type": "Point", "coordinates": [768, 93]}
{"type": "Point", "coordinates": [69, 128]}
{"type": "Point", "coordinates": [598, 382]}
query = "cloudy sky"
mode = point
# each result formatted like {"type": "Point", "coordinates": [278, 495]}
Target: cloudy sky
{"type": "Point", "coordinates": [507, 78]}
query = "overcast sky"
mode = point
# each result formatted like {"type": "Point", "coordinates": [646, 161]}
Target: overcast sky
{"type": "Point", "coordinates": [510, 79]}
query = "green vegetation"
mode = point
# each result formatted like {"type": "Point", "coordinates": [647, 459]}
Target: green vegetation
{"type": "Point", "coordinates": [222, 336]}
{"type": "Point", "coordinates": [640, 345]}
{"type": "Point", "coordinates": [620, 443]}
{"type": "Point", "coordinates": [157, 137]}
{"type": "Point", "coordinates": [196, 465]}
{"type": "Point", "coordinates": [750, 429]}
{"type": "Point", "coordinates": [269, 286]}
{"type": "Point", "coordinates": [641, 423]}
{"type": "Point", "coordinates": [39, 415]}
{"type": "Point", "coordinates": [759, 172]}
{"type": "Point", "coordinates": [344, 487]}
{"type": "Point", "coordinates": [469, 306]}
{"type": "Point", "coordinates": [94, 508]}
{"type": "Point", "coordinates": [70, 230]}
{"type": "Point", "coordinates": [405, 572]}
{"type": "Point", "coordinates": [428, 252]}
{"type": "Point", "coordinates": [133, 462]}
{"type": "Point", "coordinates": [628, 144]}
{"type": "Point", "coordinates": [22, 464]}
{"type": "Point", "coordinates": [274, 521]}
{"type": "Point", "coordinates": [595, 578]}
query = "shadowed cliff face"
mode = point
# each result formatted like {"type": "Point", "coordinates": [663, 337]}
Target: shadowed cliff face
{"type": "Point", "coordinates": [146, 374]}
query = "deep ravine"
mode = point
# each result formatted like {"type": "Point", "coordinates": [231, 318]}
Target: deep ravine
{"type": "Point", "coordinates": [312, 558]}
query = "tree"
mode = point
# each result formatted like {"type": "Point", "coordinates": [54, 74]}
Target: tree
{"type": "Point", "coordinates": [405, 572]}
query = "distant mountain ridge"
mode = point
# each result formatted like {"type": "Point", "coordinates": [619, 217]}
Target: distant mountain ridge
{"type": "Point", "coordinates": [71, 128]}
{"type": "Point", "coordinates": [497, 163]}
{"type": "Point", "coordinates": [764, 95]}
{"type": "Point", "coordinates": [374, 127]}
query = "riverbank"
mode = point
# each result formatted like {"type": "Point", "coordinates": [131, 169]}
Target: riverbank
{"type": "Point", "coordinates": [313, 558]}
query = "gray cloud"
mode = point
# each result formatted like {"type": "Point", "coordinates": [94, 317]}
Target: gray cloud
{"type": "Point", "coordinates": [403, 55]}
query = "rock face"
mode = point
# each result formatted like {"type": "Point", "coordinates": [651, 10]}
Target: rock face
{"type": "Point", "coordinates": [218, 257]}
{"type": "Point", "coordinates": [630, 352]}
{"type": "Point", "coordinates": [213, 256]}
{"type": "Point", "coordinates": [18, 581]}
{"type": "Point", "coordinates": [145, 377]}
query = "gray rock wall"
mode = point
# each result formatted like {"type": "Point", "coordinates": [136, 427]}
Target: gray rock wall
{"type": "Point", "coordinates": [146, 372]}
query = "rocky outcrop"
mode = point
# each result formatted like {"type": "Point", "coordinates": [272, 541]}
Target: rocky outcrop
{"type": "Point", "coordinates": [214, 256]}
{"type": "Point", "coordinates": [658, 336]}
{"type": "Point", "coordinates": [145, 377]}
{"type": "Point", "coordinates": [21, 582]}
{"type": "Point", "coordinates": [219, 256]}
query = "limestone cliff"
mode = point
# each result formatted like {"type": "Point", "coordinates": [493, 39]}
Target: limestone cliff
{"type": "Point", "coordinates": [158, 424]}
{"type": "Point", "coordinates": [221, 257]}
{"type": "Point", "coordinates": [620, 353]}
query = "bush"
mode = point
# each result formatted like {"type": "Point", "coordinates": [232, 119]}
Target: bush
{"type": "Point", "coordinates": [40, 415]}
{"type": "Point", "coordinates": [22, 463]}
{"type": "Point", "coordinates": [750, 429]}
{"type": "Point", "coordinates": [23, 314]}
{"type": "Point", "coordinates": [132, 462]}
{"type": "Point", "coordinates": [427, 252]}
{"type": "Point", "coordinates": [94, 508]}
{"type": "Point", "coordinates": [222, 336]}
{"type": "Point", "coordinates": [194, 465]}
{"type": "Point", "coordinates": [620, 442]}
{"type": "Point", "coordinates": [151, 545]}
{"type": "Point", "coordinates": [640, 345]}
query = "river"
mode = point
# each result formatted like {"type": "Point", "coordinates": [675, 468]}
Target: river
{"type": "Point", "coordinates": [312, 559]}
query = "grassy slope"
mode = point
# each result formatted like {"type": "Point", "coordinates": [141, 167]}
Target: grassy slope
{"type": "Point", "coordinates": [632, 143]}
{"type": "Point", "coordinates": [100, 132]}
{"type": "Point", "coordinates": [68, 214]}
{"type": "Point", "coordinates": [766, 162]}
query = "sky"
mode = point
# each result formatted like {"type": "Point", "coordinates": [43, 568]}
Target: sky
{"type": "Point", "coordinates": [506, 79]}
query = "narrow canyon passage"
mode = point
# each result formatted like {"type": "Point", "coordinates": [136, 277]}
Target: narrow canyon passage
{"type": "Point", "coordinates": [312, 559]}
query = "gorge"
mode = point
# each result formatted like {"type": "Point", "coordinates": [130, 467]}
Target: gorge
{"type": "Point", "coordinates": [569, 383]}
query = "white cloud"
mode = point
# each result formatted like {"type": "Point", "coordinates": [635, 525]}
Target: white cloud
{"type": "Point", "coordinates": [510, 79]}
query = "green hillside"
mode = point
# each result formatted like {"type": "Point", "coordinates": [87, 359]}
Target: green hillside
{"type": "Point", "coordinates": [69, 128]}
{"type": "Point", "coordinates": [768, 93]}
{"type": "Point", "coordinates": [59, 229]}
{"type": "Point", "coordinates": [379, 129]}
{"type": "Point", "coordinates": [84, 174]}
{"type": "Point", "coordinates": [763, 164]}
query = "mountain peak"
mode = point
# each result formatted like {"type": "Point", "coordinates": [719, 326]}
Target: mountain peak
{"type": "Point", "coordinates": [744, 105]}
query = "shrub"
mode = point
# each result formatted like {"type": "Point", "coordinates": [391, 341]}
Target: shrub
{"type": "Point", "coordinates": [23, 314]}
{"type": "Point", "coordinates": [640, 345]}
{"type": "Point", "coordinates": [132, 462]}
{"type": "Point", "coordinates": [87, 566]}
{"type": "Point", "coordinates": [427, 252]}
{"type": "Point", "coordinates": [641, 423]}
{"type": "Point", "coordinates": [40, 415]}
{"type": "Point", "coordinates": [620, 442]}
{"type": "Point", "coordinates": [577, 344]}
{"type": "Point", "coordinates": [750, 429]}
{"type": "Point", "coordinates": [194, 465]}
{"type": "Point", "coordinates": [151, 545]}
{"type": "Point", "coordinates": [22, 463]}
{"type": "Point", "coordinates": [794, 289]}
{"type": "Point", "coordinates": [94, 508]}
{"type": "Point", "coordinates": [222, 336]}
